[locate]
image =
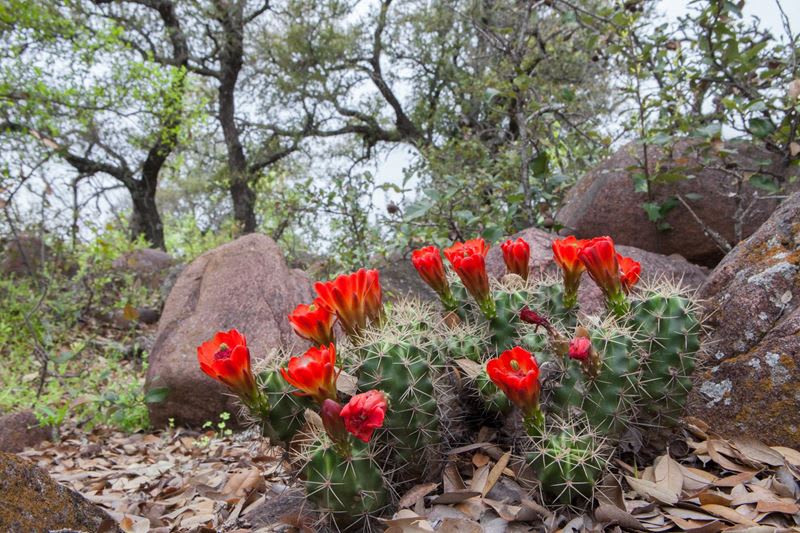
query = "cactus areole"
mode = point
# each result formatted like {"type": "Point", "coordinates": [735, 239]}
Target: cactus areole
{"type": "Point", "coordinates": [576, 385]}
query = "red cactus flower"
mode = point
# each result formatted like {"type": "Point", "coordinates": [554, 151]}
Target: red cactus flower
{"type": "Point", "coordinates": [226, 358]}
{"type": "Point", "coordinates": [355, 298]}
{"type": "Point", "coordinates": [600, 259]}
{"type": "Point", "coordinates": [580, 348]}
{"type": "Point", "coordinates": [313, 322]}
{"type": "Point", "coordinates": [468, 260]}
{"type": "Point", "coordinates": [517, 256]}
{"type": "Point", "coordinates": [516, 373]}
{"type": "Point", "coordinates": [429, 265]}
{"type": "Point", "coordinates": [565, 254]}
{"type": "Point", "coordinates": [364, 413]}
{"type": "Point", "coordinates": [630, 271]}
{"type": "Point", "coordinates": [330, 412]}
{"type": "Point", "coordinates": [314, 373]}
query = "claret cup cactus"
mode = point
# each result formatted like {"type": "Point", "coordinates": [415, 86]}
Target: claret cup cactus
{"type": "Point", "coordinates": [563, 388]}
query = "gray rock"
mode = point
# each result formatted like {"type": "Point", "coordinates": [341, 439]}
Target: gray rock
{"type": "Point", "coordinates": [752, 363]}
{"type": "Point", "coordinates": [244, 284]}
{"type": "Point", "coordinates": [21, 430]}
{"type": "Point", "coordinates": [604, 201]}
{"type": "Point", "coordinates": [149, 266]}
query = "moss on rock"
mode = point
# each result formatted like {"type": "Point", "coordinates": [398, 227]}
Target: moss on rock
{"type": "Point", "coordinates": [30, 500]}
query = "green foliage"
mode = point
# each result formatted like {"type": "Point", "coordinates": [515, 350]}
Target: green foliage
{"type": "Point", "coordinates": [186, 240]}
{"type": "Point", "coordinates": [712, 76]}
{"type": "Point", "coordinates": [48, 323]}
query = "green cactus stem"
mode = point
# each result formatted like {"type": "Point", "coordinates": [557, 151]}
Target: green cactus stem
{"type": "Point", "coordinates": [568, 464]}
{"type": "Point", "coordinates": [285, 413]}
{"type": "Point", "coordinates": [406, 375]}
{"type": "Point", "coordinates": [351, 488]}
{"type": "Point", "coordinates": [668, 329]}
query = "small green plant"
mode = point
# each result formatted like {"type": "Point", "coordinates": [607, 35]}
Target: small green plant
{"type": "Point", "coordinates": [59, 357]}
{"type": "Point", "coordinates": [221, 426]}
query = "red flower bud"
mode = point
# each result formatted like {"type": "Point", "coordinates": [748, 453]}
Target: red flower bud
{"type": "Point", "coordinates": [313, 322]}
{"type": "Point", "coordinates": [330, 412]}
{"type": "Point", "coordinates": [364, 413]}
{"type": "Point", "coordinates": [629, 272]}
{"type": "Point", "coordinates": [428, 262]}
{"type": "Point", "coordinates": [468, 260]}
{"type": "Point", "coordinates": [580, 348]}
{"type": "Point", "coordinates": [517, 255]}
{"type": "Point", "coordinates": [226, 358]}
{"type": "Point", "coordinates": [565, 254]}
{"type": "Point", "coordinates": [530, 316]}
{"type": "Point", "coordinates": [355, 298]}
{"type": "Point", "coordinates": [314, 373]}
{"type": "Point", "coordinates": [516, 373]}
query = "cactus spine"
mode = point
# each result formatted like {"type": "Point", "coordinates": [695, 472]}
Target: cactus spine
{"type": "Point", "coordinates": [568, 462]}
{"type": "Point", "coordinates": [286, 410]}
{"type": "Point", "coordinates": [406, 374]}
{"type": "Point", "coordinates": [349, 487]}
{"type": "Point", "coordinates": [668, 330]}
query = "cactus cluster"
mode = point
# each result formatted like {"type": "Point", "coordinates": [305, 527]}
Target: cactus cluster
{"type": "Point", "coordinates": [564, 388]}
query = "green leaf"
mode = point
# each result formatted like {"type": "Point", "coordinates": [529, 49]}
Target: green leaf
{"type": "Point", "coordinates": [660, 139]}
{"type": "Point", "coordinates": [492, 233]}
{"type": "Point", "coordinates": [417, 210]}
{"type": "Point", "coordinates": [156, 395]}
{"type": "Point", "coordinates": [653, 211]}
{"type": "Point", "coordinates": [760, 127]}
{"type": "Point", "coordinates": [490, 93]}
{"type": "Point", "coordinates": [709, 130]}
{"type": "Point", "coordinates": [640, 183]}
{"type": "Point", "coordinates": [764, 183]}
{"type": "Point", "coordinates": [390, 187]}
{"type": "Point", "coordinates": [63, 357]}
{"type": "Point", "coordinates": [668, 205]}
{"type": "Point", "coordinates": [656, 211]}
{"type": "Point", "coordinates": [540, 164]}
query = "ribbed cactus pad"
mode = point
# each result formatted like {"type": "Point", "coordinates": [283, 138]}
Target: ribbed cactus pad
{"type": "Point", "coordinates": [504, 326]}
{"type": "Point", "coordinates": [285, 408]}
{"type": "Point", "coordinates": [349, 488]}
{"type": "Point", "coordinates": [668, 330]}
{"type": "Point", "coordinates": [493, 399]}
{"type": "Point", "coordinates": [549, 299]}
{"type": "Point", "coordinates": [611, 396]}
{"type": "Point", "coordinates": [406, 374]}
{"type": "Point", "coordinates": [568, 463]}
